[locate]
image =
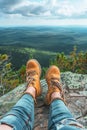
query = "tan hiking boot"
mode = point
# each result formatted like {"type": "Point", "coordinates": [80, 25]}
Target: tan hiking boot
{"type": "Point", "coordinates": [33, 72]}
{"type": "Point", "coordinates": [54, 85]}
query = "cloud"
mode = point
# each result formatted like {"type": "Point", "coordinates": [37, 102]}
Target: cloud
{"type": "Point", "coordinates": [69, 9]}
{"type": "Point", "coordinates": [7, 5]}
{"type": "Point", "coordinates": [60, 9]}
{"type": "Point", "coordinates": [23, 7]}
{"type": "Point", "coordinates": [31, 10]}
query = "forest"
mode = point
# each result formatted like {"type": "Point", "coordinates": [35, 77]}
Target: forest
{"type": "Point", "coordinates": [11, 77]}
{"type": "Point", "coordinates": [65, 47]}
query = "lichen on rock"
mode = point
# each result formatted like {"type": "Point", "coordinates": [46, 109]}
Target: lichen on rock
{"type": "Point", "coordinates": [75, 88]}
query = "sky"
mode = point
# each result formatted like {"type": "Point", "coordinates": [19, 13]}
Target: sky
{"type": "Point", "coordinates": [43, 12]}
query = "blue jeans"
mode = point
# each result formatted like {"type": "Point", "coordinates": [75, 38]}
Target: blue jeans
{"type": "Point", "coordinates": [60, 118]}
{"type": "Point", "coordinates": [21, 116]}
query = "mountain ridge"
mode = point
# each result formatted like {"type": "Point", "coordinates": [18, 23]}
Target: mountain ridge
{"type": "Point", "coordinates": [45, 38]}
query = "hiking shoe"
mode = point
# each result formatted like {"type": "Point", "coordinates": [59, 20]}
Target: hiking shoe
{"type": "Point", "coordinates": [33, 72]}
{"type": "Point", "coordinates": [54, 85]}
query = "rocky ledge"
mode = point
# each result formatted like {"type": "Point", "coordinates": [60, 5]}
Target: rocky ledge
{"type": "Point", "coordinates": [75, 89]}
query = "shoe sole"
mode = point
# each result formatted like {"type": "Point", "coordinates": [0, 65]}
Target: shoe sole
{"type": "Point", "coordinates": [49, 69]}
{"type": "Point", "coordinates": [37, 64]}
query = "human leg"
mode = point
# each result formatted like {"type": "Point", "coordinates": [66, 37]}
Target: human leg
{"type": "Point", "coordinates": [5, 127]}
{"type": "Point", "coordinates": [60, 118]}
{"type": "Point", "coordinates": [21, 116]}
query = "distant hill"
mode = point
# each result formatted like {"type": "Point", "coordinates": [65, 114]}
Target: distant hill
{"type": "Point", "coordinates": [55, 39]}
{"type": "Point", "coordinates": [42, 43]}
{"type": "Point", "coordinates": [20, 55]}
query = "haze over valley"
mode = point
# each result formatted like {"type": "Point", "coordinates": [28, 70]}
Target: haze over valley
{"type": "Point", "coordinates": [42, 41]}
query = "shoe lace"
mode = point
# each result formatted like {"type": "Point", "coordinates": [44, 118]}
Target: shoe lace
{"type": "Point", "coordinates": [30, 76]}
{"type": "Point", "coordinates": [55, 82]}
{"type": "Point", "coordinates": [30, 79]}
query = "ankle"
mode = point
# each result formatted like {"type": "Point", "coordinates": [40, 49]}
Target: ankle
{"type": "Point", "coordinates": [55, 95]}
{"type": "Point", "coordinates": [31, 91]}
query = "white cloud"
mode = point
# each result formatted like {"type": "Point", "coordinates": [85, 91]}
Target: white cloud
{"type": "Point", "coordinates": [67, 8]}
{"type": "Point", "coordinates": [46, 9]}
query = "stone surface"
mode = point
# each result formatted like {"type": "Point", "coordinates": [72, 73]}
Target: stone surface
{"type": "Point", "coordinates": [75, 88]}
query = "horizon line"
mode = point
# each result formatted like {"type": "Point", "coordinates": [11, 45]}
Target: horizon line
{"type": "Point", "coordinates": [43, 26]}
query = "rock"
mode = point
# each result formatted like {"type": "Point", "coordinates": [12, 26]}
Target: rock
{"type": "Point", "coordinates": [73, 80]}
{"type": "Point", "coordinates": [75, 86]}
